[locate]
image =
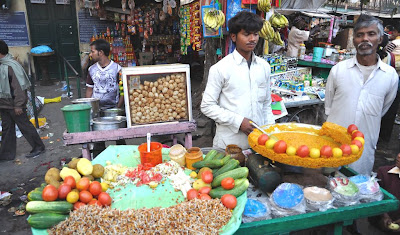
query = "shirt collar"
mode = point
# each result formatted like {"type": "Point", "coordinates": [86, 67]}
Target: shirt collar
{"type": "Point", "coordinates": [238, 58]}
{"type": "Point", "coordinates": [353, 62]}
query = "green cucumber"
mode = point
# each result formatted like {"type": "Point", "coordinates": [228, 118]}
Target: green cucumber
{"type": "Point", "coordinates": [210, 155]}
{"type": "Point", "coordinates": [59, 207]}
{"type": "Point", "coordinates": [230, 165]}
{"type": "Point", "coordinates": [219, 156]}
{"type": "Point", "coordinates": [35, 195]}
{"type": "Point", "coordinates": [226, 158]}
{"type": "Point", "coordinates": [211, 164]}
{"type": "Point", "coordinates": [237, 173]}
{"type": "Point", "coordinates": [241, 186]}
{"type": "Point", "coordinates": [45, 220]}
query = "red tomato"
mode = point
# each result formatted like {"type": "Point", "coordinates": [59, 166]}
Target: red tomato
{"type": "Point", "coordinates": [346, 149]}
{"type": "Point", "coordinates": [357, 134]}
{"type": "Point", "coordinates": [228, 183]}
{"type": "Point", "coordinates": [63, 191]}
{"type": "Point", "coordinates": [78, 205]}
{"type": "Point", "coordinates": [94, 202]}
{"type": "Point", "coordinates": [85, 196]}
{"type": "Point", "coordinates": [50, 193]}
{"type": "Point", "coordinates": [205, 190]}
{"type": "Point", "coordinates": [357, 142]}
{"type": "Point", "coordinates": [262, 139]}
{"type": "Point", "coordinates": [192, 194]}
{"type": "Point", "coordinates": [229, 201]}
{"type": "Point", "coordinates": [207, 177]}
{"type": "Point", "coordinates": [104, 199]}
{"type": "Point", "coordinates": [351, 128]}
{"type": "Point", "coordinates": [70, 181]}
{"type": "Point", "coordinates": [303, 151]}
{"type": "Point", "coordinates": [95, 188]}
{"type": "Point", "coordinates": [326, 151]}
{"type": "Point", "coordinates": [83, 184]}
{"type": "Point", "coordinates": [204, 196]}
{"type": "Point", "coordinates": [280, 146]}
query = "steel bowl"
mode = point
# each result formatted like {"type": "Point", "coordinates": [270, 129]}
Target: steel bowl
{"type": "Point", "coordinates": [93, 102]}
{"type": "Point", "coordinates": [112, 112]}
{"type": "Point", "coordinates": [109, 123]}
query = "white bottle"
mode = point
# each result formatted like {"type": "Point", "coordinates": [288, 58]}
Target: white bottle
{"type": "Point", "coordinates": [302, 51]}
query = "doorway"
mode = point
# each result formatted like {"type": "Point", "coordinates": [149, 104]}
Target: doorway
{"type": "Point", "coordinates": [55, 25]}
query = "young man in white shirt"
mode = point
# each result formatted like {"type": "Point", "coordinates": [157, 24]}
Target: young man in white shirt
{"type": "Point", "coordinates": [238, 87]}
{"type": "Point", "coordinates": [360, 90]}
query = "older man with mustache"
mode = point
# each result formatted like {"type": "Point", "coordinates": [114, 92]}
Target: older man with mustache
{"type": "Point", "coordinates": [360, 90]}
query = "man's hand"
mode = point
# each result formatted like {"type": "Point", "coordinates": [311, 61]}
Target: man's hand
{"type": "Point", "coordinates": [18, 111]}
{"type": "Point", "coordinates": [246, 127]}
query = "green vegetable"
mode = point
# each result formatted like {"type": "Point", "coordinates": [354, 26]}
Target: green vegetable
{"type": "Point", "coordinates": [210, 155]}
{"type": "Point", "coordinates": [226, 158]}
{"type": "Point", "coordinates": [45, 220]}
{"type": "Point", "coordinates": [219, 156]}
{"type": "Point", "coordinates": [210, 164]}
{"type": "Point", "coordinates": [241, 186]}
{"type": "Point", "coordinates": [237, 173]}
{"type": "Point", "coordinates": [230, 165]}
{"type": "Point", "coordinates": [35, 195]}
{"type": "Point", "coordinates": [59, 207]}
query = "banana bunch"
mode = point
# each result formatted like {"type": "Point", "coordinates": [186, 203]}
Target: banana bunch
{"type": "Point", "coordinates": [278, 21]}
{"type": "Point", "coordinates": [264, 5]}
{"type": "Point", "coordinates": [214, 19]}
{"type": "Point", "coordinates": [267, 32]}
{"type": "Point", "coordinates": [277, 39]}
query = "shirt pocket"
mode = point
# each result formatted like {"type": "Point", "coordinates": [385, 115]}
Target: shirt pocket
{"type": "Point", "coordinates": [373, 105]}
{"type": "Point", "coordinates": [262, 93]}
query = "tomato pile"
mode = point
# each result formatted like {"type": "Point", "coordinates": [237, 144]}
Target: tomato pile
{"type": "Point", "coordinates": [143, 175]}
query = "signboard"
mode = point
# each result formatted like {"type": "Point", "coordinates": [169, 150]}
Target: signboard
{"type": "Point", "coordinates": [13, 29]}
{"type": "Point", "coordinates": [88, 24]}
{"type": "Point", "coordinates": [39, 1]}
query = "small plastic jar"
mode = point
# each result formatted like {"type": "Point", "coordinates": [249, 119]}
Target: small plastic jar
{"type": "Point", "coordinates": [177, 154]}
{"type": "Point", "coordinates": [193, 155]}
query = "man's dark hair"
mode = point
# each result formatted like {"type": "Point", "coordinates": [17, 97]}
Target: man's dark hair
{"type": "Point", "coordinates": [3, 47]}
{"type": "Point", "coordinates": [389, 27]}
{"type": "Point", "coordinates": [246, 20]}
{"type": "Point", "coordinates": [101, 45]}
{"type": "Point", "coordinates": [366, 21]}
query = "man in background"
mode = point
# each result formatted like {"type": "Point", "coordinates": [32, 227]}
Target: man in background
{"type": "Point", "coordinates": [13, 98]}
{"type": "Point", "coordinates": [298, 35]}
{"type": "Point", "coordinates": [360, 90]}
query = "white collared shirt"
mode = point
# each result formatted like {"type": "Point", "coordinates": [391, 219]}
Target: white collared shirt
{"type": "Point", "coordinates": [234, 92]}
{"type": "Point", "coordinates": [350, 100]}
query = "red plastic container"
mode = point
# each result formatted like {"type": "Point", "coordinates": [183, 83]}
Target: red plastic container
{"type": "Point", "coordinates": [154, 157]}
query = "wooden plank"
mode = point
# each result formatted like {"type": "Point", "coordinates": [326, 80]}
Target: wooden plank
{"type": "Point", "coordinates": [129, 133]}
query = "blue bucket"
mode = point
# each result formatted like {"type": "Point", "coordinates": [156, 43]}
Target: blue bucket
{"type": "Point", "coordinates": [317, 54]}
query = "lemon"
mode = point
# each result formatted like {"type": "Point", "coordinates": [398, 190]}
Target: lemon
{"type": "Point", "coordinates": [270, 143]}
{"type": "Point", "coordinates": [193, 174]}
{"type": "Point", "coordinates": [291, 151]}
{"type": "Point", "coordinates": [337, 152]}
{"type": "Point", "coordinates": [72, 197]}
{"type": "Point", "coordinates": [153, 184]}
{"type": "Point", "coordinates": [104, 186]}
{"type": "Point", "coordinates": [354, 149]}
{"type": "Point", "coordinates": [315, 153]}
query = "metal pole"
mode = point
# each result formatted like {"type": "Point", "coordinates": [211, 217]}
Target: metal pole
{"type": "Point", "coordinates": [33, 96]}
{"type": "Point", "coordinates": [67, 79]}
{"type": "Point", "coordinates": [78, 86]}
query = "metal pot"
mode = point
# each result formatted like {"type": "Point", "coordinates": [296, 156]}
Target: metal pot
{"type": "Point", "coordinates": [121, 119]}
{"type": "Point", "coordinates": [107, 123]}
{"type": "Point", "coordinates": [113, 112]}
{"type": "Point", "coordinates": [94, 102]}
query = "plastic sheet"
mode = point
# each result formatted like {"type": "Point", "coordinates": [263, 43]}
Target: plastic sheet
{"type": "Point", "coordinates": [369, 187]}
{"type": "Point", "coordinates": [318, 199]}
{"type": "Point", "coordinates": [256, 210]}
{"type": "Point", "coordinates": [41, 49]}
{"type": "Point", "coordinates": [345, 192]}
{"type": "Point", "coordinates": [287, 199]}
